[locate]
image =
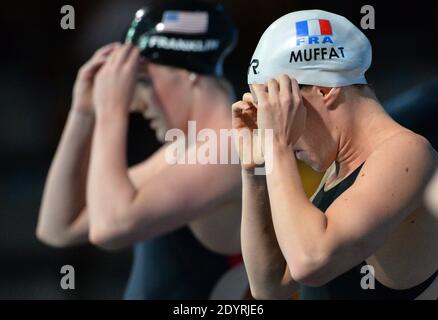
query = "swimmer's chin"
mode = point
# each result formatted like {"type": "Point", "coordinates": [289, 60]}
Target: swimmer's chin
{"type": "Point", "coordinates": [160, 134]}
{"type": "Point", "coordinates": [315, 166]}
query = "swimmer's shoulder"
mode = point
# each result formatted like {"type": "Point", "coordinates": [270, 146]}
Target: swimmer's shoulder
{"type": "Point", "coordinates": [408, 143]}
{"type": "Point", "coordinates": [403, 152]}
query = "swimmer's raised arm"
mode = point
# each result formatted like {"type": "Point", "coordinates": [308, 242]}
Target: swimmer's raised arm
{"type": "Point", "coordinates": [268, 274]}
{"type": "Point", "coordinates": [61, 220]}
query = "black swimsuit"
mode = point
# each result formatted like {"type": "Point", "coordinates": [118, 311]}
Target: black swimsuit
{"type": "Point", "coordinates": [175, 266]}
{"type": "Point", "coordinates": [348, 284]}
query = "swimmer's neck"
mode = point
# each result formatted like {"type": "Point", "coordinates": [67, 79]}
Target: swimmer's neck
{"type": "Point", "coordinates": [360, 133]}
{"type": "Point", "coordinates": [211, 108]}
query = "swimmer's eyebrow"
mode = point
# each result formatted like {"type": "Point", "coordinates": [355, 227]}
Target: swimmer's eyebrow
{"type": "Point", "coordinates": [143, 65]}
{"type": "Point", "coordinates": [143, 73]}
{"type": "Point", "coordinates": [144, 80]}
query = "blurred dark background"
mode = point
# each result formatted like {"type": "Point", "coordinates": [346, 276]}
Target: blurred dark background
{"type": "Point", "coordinates": [39, 61]}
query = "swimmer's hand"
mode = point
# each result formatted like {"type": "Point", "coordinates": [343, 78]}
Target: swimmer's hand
{"type": "Point", "coordinates": [83, 87]}
{"type": "Point", "coordinates": [116, 81]}
{"type": "Point", "coordinates": [280, 107]}
{"type": "Point", "coordinates": [248, 140]}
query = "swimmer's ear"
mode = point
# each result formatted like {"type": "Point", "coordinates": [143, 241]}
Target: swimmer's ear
{"type": "Point", "coordinates": [329, 95]}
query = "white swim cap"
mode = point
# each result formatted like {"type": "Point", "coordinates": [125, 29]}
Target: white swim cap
{"type": "Point", "coordinates": [313, 46]}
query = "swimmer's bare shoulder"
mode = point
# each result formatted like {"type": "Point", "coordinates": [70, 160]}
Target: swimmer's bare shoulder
{"type": "Point", "coordinates": [388, 188]}
{"type": "Point", "coordinates": [406, 161]}
{"type": "Point", "coordinates": [409, 160]}
{"type": "Point", "coordinates": [402, 149]}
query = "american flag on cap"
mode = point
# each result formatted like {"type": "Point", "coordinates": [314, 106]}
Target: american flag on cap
{"type": "Point", "coordinates": [189, 22]}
